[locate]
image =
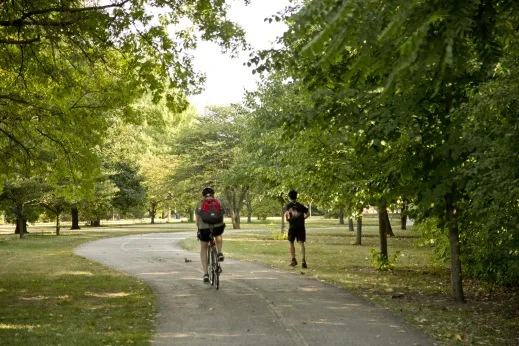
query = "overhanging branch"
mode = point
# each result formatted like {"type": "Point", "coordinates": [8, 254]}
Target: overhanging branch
{"type": "Point", "coordinates": [18, 42]}
{"type": "Point", "coordinates": [22, 20]}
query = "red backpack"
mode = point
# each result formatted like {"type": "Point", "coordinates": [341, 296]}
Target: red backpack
{"type": "Point", "coordinates": [211, 212]}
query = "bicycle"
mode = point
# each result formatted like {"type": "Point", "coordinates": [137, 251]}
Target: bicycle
{"type": "Point", "coordinates": [213, 265]}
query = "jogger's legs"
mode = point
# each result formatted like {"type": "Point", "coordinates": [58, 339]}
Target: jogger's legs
{"type": "Point", "coordinates": [302, 246]}
{"type": "Point", "coordinates": [292, 250]}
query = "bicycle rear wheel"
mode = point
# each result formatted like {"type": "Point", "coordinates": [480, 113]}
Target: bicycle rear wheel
{"type": "Point", "coordinates": [214, 267]}
{"type": "Point", "coordinates": [217, 274]}
{"type": "Point", "coordinates": [210, 265]}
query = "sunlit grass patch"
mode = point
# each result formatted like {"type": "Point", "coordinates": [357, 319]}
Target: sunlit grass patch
{"type": "Point", "coordinates": [18, 326]}
{"type": "Point", "coordinates": [74, 273]}
{"type": "Point", "coordinates": [107, 294]}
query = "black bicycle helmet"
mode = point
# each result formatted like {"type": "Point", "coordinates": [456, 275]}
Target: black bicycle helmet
{"type": "Point", "coordinates": [208, 191]}
{"type": "Point", "coordinates": [292, 195]}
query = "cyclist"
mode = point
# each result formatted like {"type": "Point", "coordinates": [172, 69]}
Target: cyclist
{"type": "Point", "coordinates": [295, 215]}
{"type": "Point", "coordinates": [204, 230]}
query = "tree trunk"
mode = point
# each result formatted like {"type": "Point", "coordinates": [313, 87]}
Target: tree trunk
{"type": "Point", "coordinates": [58, 226]}
{"type": "Point", "coordinates": [403, 214]}
{"type": "Point", "coordinates": [235, 197]}
{"type": "Point", "coordinates": [191, 213]}
{"type": "Point", "coordinates": [249, 216]}
{"type": "Point", "coordinates": [235, 217]}
{"type": "Point", "coordinates": [152, 215]}
{"type": "Point", "coordinates": [359, 230]}
{"type": "Point", "coordinates": [341, 216]}
{"type": "Point", "coordinates": [389, 229]}
{"type": "Point", "coordinates": [75, 218]}
{"type": "Point", "coordinates": [454, 240]}
{"type": "Point", "coordinates": [382, 230]}
{"type": "Point", "coordinates": [282, 216]}
{"type": "Point", "coordinates": [350, 224]}
{"type": "Point", "coordinates": [21, 226]}
{"type": "Point", "coordinates": [96, 222]}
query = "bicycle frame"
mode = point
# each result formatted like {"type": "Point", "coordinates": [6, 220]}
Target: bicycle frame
{"type": "Point", "coordinates": [213, 265]}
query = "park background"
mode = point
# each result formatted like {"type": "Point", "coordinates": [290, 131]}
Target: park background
{"type": "Point", "coordinates": [409, 108]}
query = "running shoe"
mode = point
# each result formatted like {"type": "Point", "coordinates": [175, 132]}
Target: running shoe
{"type": "Point", "coordinates": [206, 278]}
{"type": "Point", "coordinates": [303, 264]}
{"type": "Point", "coordinates": [293, 263]}
{"type": "Point", "coordinates": [220, 257]}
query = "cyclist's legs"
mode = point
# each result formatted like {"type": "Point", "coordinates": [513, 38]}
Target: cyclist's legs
{"type": "Point", "coordinates": [203, 255]}
{"type": "Point", "coordinates": [219, 243]}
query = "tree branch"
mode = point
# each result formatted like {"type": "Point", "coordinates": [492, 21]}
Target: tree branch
{"type": "Point", "coordinates": [18, 42]}
{"type": "Point", "coordinates": [12, 98]}
{"type": "Point", "coordinates": [14, 139]}
{"type": "Point", "coordinates": [21, 21]}
{"type": "Point", "coordinates": [67, 152]}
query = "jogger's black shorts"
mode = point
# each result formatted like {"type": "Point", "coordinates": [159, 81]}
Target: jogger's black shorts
{"type": "Point", "coordinates": [203, 234]}
{"type": "Point", "coordinates": [299, 234]}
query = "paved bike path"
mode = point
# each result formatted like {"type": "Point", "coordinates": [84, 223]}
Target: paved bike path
{"type": "Point", "coordinates": [255, 305]}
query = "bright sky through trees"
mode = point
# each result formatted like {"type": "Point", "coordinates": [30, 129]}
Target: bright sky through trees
{"type": "Point", "coordinates": [226, 77]}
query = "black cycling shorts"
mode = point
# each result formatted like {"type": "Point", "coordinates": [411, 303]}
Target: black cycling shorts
{"type": "Point", "coordinates": [204, 233]}
{"type": "Point", "coordinates": [299, 234]}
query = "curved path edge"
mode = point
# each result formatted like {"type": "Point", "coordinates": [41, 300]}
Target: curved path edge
{"type": "Point", "coordinates": [254, 305]}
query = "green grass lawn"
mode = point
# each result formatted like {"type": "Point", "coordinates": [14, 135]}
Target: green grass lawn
{"type": "Point", "coordinates": [50, 296]}
{"type": "Point", "coordinates": [416, 290]}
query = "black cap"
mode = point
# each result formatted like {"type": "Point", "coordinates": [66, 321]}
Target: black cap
{"type": "Point", "coordinates": [208, 191]}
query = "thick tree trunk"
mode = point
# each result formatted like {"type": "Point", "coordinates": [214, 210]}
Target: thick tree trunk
{"type": "Point", "coordinates": [389, 229]}
{"type": "Point", "coordinates": [382, 230]}
{"type": "Point", "coordinates": [403, 214]}
{"type": "Point", "coordinates": [359, 230]}
{"type": "Point", "coordinates": [249, 216]}
{"type": "Point", "coordinates": [350, 224]}
{"type": "Point", "coordinates": [454, 240]}
{"type": "Point", "coordinates": [75, 218]}
{"type": "Point", "coordinates": [21, 226]}
{"type": "Point", "coordinates": [152, 215]}
{"type": "Point", "coordinates": [341, 216]}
